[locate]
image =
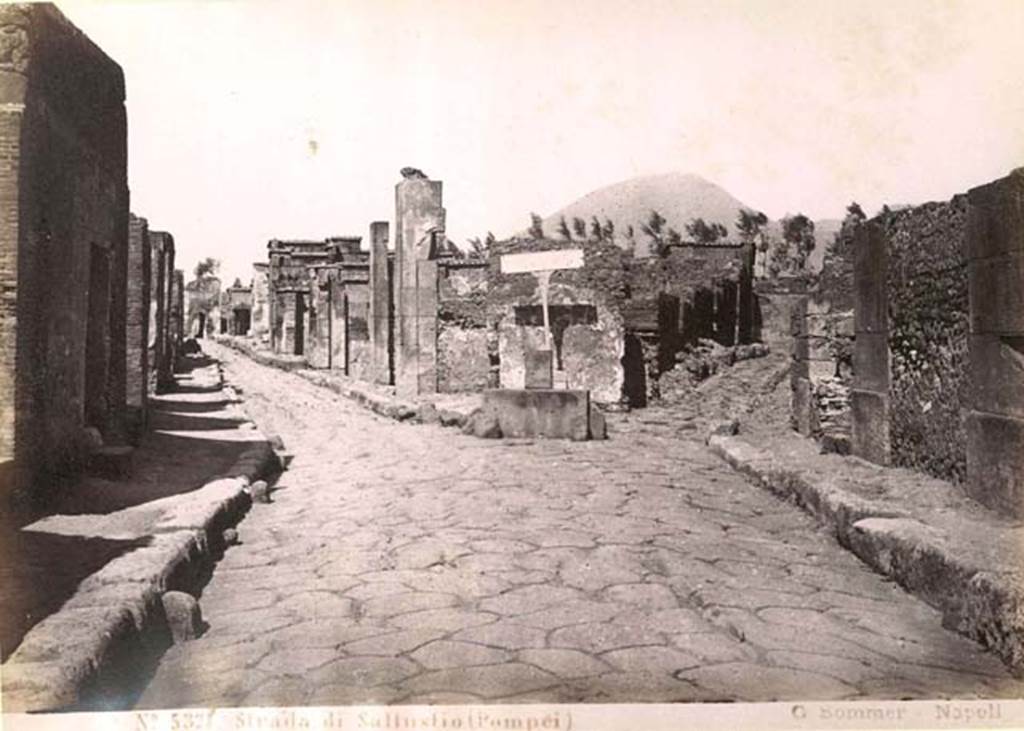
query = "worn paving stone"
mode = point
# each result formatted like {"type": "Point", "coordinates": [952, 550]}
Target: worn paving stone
{"type": "Point", "coordinates": [363, 671]}
{"type": "Point", "coordinates": [419, 565]}
{"type": "Point", "coordinates": [749, 681]}
{"type": "Point", "coordinates": [490, 681]}
{"type": "Point", "coordinates": [447, 654]}
{"type": "Point", "coordinates": [564, 663]}
{"type": "Point", "coordinates": [389, 643]}
{"type": "Point", "coordinates": [296, 661]}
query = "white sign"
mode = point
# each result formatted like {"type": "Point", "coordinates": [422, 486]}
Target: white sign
{"type": "Point", "coordinates": [542, 261]}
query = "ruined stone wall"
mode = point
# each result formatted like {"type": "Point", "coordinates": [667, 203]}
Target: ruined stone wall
{"type": "Point", "coordinates": [688, 295]}
{"type": "Point", "coordinates": [928, 337]}
{"type": "Point", "coordinates": [63, 243]}
{"type": "Point", "coordinates": [940, 326]}
{"type": "Point", "coordinates": [466, 343]}
{"type": "Point", "coordinates": [236, 310]}
{"type": "Point", "coordinates": [823, 336]}
{"type": "Point", "coordinates": [587, 320]}
{"type": "Point", "coordinates": [288, 290]}
{"type": "Point", "coordinates": [910, 357]}
{"type": "Point", "coordinates": [776, 303]}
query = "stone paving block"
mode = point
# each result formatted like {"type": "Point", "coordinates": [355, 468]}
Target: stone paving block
{"type": "Point", "coordinates": [564, 663]}
{"type": "Point", "coordinates": [600, 637]}
{"type": "Point", "coordinates": [313, 604]}
{"type": "Point", "coordinates": [853, 672]}
{"type": "Point", "coordinates": [339, 694]}
{"type": "Point", "coordinates": [569, 613]}
{"type": "Point", "coordinates": [651, 659]}
{"type": "Point", "coordinates": [648, 688]}
{"type": "Point", "coordinates": [447, 654]}
{"type": "Point", "coordinates": [231, 658]}
{"type": "Point", "coordinates": [649, 596]}
{"type": "Point", "coordinates": [748, 681]}
{"type": "Point", "coordinates": [363, 671]}
{"type": "Point", "coordinates": [506, 635]}
{"type": "Point", "coordinates": [713, 647]}
{"type": "Point", "coordinates": [490, 681]}
{"type": "Point", "coordinates": [395, 604]}
{"type": "Point", "coordinates": [529, 599]}
{"type": "Point", "coordinates": [386, 641]}
{"type": "Point", "coordinates": [295, 660]}
{"type": "Point", "coordinates": [277, 692]}
{"type": "Point", "coordinates": [445, 619]}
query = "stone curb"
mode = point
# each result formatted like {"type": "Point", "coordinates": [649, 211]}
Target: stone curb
{"type": "Point", "coordinates": [388, 406]}
{"type": "Point", "coordinates": [84, 652]}
{"type": "Point", "coordinates": [975, 600]}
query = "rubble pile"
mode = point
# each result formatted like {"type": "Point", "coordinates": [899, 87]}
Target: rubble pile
{"type": "Point", "coordinates": [832, 401]}
{"type": "Point", "coordinates": [698, 362]}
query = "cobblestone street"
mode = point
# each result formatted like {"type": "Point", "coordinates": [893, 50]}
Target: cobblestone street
{"type": "Point", "coordinates": [403, 563]}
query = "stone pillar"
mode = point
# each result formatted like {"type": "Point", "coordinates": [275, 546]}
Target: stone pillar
{"type": "Point", "coordinates": [380, 303]}
{"type": "Point", "coordinates": [869, 398]}
{"type": "Point", "coordinates": [177, 318]}
{"type": "Point", "coordinates": [995, 421]}
{"type": "Point", "coordinates": [419, 222]}
{"type": "Point", "coordinates": [260, 301]}
{"type": "Point", "coordinates": [426, 326]}
{"type": "Point", "coordinates": [158, 316]}
{"type": "Point", "coordinates": [138, 299]}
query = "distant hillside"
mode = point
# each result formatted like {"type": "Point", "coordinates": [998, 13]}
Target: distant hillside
{"type": "Point", "coordinates": [679, 197]}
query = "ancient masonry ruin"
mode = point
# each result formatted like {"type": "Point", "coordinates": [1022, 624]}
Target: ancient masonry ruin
{"type": "Point", "coordinates": [427, 321]}
{"type": "Point", "coordinates": [929, 377]}
{"type": "Point", "coordinates": [81, 331]}
{"type": "Point", "coordinates": [236, 309]}
{"type": "Point", "coordinates": [63, 244]}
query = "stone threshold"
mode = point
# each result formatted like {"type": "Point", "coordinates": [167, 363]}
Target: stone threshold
{"type": "Point", "coordinates": [102, 638]}
{"type": "Point", "coordinates": [924, 533]}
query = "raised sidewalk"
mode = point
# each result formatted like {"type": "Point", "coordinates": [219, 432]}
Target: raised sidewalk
{"type": "Point", "coordinates": [82, 587]}
{"type": "Point", "coordinates": [956, 555]}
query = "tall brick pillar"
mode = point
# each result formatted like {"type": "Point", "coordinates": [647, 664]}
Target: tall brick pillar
{"type": "Point", "coordinates": [380, 303]}
{"type": "Point", "coordinates": [137, 324]}
{"type": "Point", "coordinates": [419, 223]}
{"type": "Point", "coordinates": [995, 421]}
{"type": "Point", "coordinates": [869, 397]}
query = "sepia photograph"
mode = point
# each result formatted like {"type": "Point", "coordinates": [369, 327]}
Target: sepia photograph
{"type": "Point", "coordinates": [511, 365]}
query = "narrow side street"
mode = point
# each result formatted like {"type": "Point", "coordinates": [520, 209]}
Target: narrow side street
{"type": "Point", "coordinates": [401, 563]}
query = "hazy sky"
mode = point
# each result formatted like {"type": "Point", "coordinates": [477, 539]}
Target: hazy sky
{"type": "Point", "coordinates": [253, 120]}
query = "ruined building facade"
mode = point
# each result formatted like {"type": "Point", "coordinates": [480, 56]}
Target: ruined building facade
{"type": "Point", "coordinates": [63, 245]}
{"type": "Point", "coordinates": [936, 347]}
{"type": "Point", "coordinates": [424, 320]}
{"type": "Point", "coordinates": [236, 309]}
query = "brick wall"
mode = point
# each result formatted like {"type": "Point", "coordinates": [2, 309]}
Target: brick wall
{"type": "Point", "coordinates": [63, 244]}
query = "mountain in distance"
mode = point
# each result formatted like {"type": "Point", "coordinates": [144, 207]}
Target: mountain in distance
{"type": "Point", "coordinates": [679, 197]}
